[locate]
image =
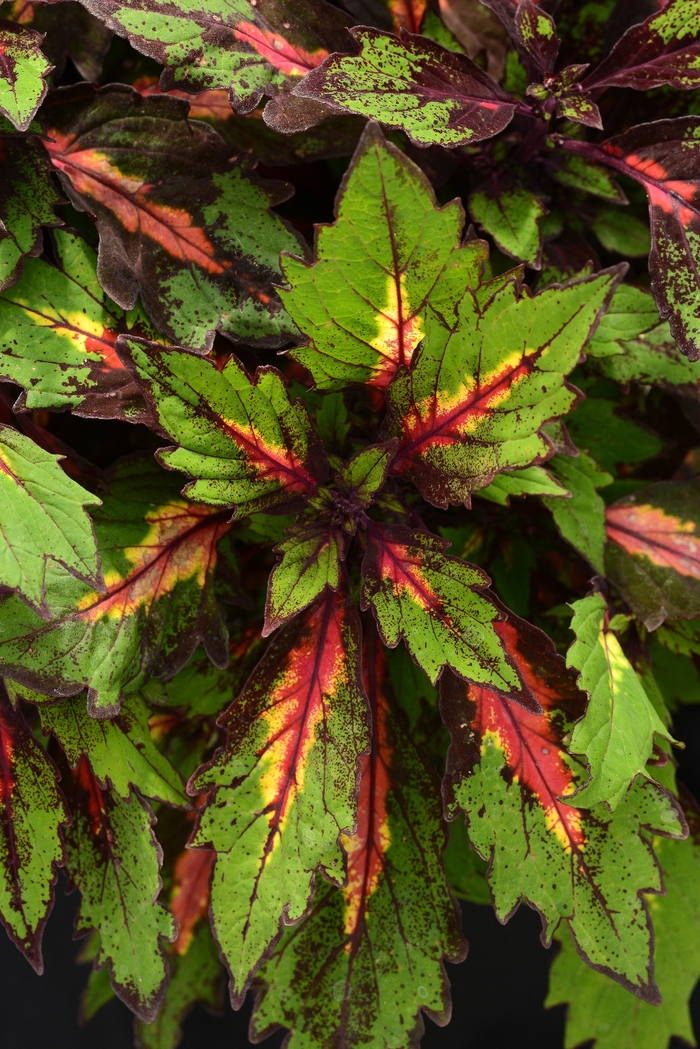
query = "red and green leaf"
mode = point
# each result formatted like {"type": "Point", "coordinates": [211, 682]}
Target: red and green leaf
{"type": "Point", "coordinates": [435, 603]}
{"type": "Point", "coordinates": [23, 67]}
{"type": "Point", "coordinates": [181, 223]}
{"type": "Point", "coordinates": [284, 786]}
{"type": "Point", "coordinates": [482, 385]}
{"type": "Point", "coordinates": [114, 860]}
{"type": "Point", "coordinates": [58, 331]}
{"type": "Point", "coordinates": [158, 557]}
{"type": "Point", "coordinates": [312, 560]}
{"type": "Point", "coordinates": [71, 32]}
{"type": "Point", "coordinates": [437, 97]}
{"type": "Point", "coordinates": [538, 35]}
{"type": "Point", "coordinates": [331, 979]}
{"type": "Point", "coordinates": [241, 439]}
{"type": "Point", "coordinates": [32, 813]}
{"type": "Point", "coordinates": [27, 200]}
{"type": "Point", "coordinates": [390, 252]}
{"type": "Point", "coordinates": [507, 768]}
{"type": "Point", "coordinates": [250, 48]}
{"type": "Point", "coordinates": [653, 553]}
{"type": "Point", "coordinates": [663, 49]}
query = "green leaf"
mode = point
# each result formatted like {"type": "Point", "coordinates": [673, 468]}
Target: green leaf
{"type": "Point", "coordinates": [616, 735]}
{"type": "Point", "coordinates": [603, 1010]}
{"type": "Point", "coordinates": [47, 536]}
{"type": "Point", "coordinates": [437, 97]}
{"type": "Point", "coordinates": [621, 232]}
{"type": "Point", "coordinates": [631, 313]}
{"type": "Point", "coordinates": [32, 813]}
{"type": "Point", "coordinates": [195, 977]}
{"type": "Point", "coordinates": [579, 172]}
{"type": "Point", "coordinates": [434, 602]}
{"type": "Point", "coordinates": [311, 561]}
{"type": "Point", "coordinates": [610, 439]}
{"type": "Point", "coordinates": [27, 199]}
{"type": "Point", "coordinates": [284, 786]}
{"type": "Point", "coordinates": [533, 480]}
{"type": "Point", "coordinates": [114, 860]}
{"type": "Point", "coordinates": [481, 386]}
{"type": "Point", "coordinates": [158, 556]}
{"type": "Point", "coordinates": [249, 48]}
{"type": "Point", "coordinates": [241, 439]}
{"type": "Point", "coordinates": [581, 519]}
{"type": "Point", "coordinates": [390, 252]}
{"type": "Point", "coordinates": [120, 751]}
{"type": "Point", "coordinates": [510, 213]}
{"type": "Point", "coordinates": [57, 336]}
{"type": "Point", "coordinates": [466, 871]}
{"type": "Point", "coordinates": [360, 968]}
{"type": "Point", "coordinates": [181, 222]}
{"type": "Point", "coordinates": [653, 556]}
{"type": "Point", "coordinates": [507, 768]}
{"type": "Point", "coordinates": [22, 72]}
{"type": "Point", "coordinates": [363, 477]}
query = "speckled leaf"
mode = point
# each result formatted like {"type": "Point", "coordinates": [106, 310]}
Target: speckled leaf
{"type": "Point", "coordinates": [251, 48]}
{"type": "Point", "coordinates": [241, 439]}
{"type": "Point", "coordinates": [437, 97]}
{"type": "Point", "coordinates": [27, 199]}
{"type": "Point", "coordinates": [46, 536]}
{"type": "Point", "coordinates": [181, 222]}
{"type": "Point", "coordinates": [538, 35]}
{"type": "Point", "coordinates": [368, 959]}
{"type": "Point", "coordinates": [194, 977]}
{"type": "Point", "coordinates": [653, 358]}
{"type": "Point", "coordinates": [582, 173]}
{"type": "Point", "coordinates": [434, 602]}
{"type": "Point", "coordinates": [603, 1010]}
{"type": "Point", "coordinates": [632, 312]}
{"type": "Point", "coordinates": [120, 750]}
{"type": "Point", "coordinates": [616, 735]}
{"type": "Point", "coordinates": [23, 67]}
{"type": "Point", "coordinates": [114, 859]}
{"type": "Point", "coordinates": [510, 213]}
{"type": "Point", "coordinates": [581, 519]}
{"type": "Point", "coordinates": [663, 49]}
{"type": "Point", "coordinates": [507, 768]}
{"type": "Point", "coordinates": [653, 556]}
{"type": "Point", "coordinates": [284, 787]}
{"type": "Point", "coordinates": [664, 157]}
{"type": "Point", "coordinates": [360, 479]}
{"type": "Point", "coordinates": [533, 480]}
{"type": "Point", "coordinates": [390, 252]}
{"type": "Point", "coordinates": [311, 560]}
{"type": "Point", "coordinates": [57, 335]}
{"type": "Point", "coordinates": [32, 811]}
{"type": "Point", "coordinates": [158, 556]}
{"type": "Point", "coordinates": [481, 386]}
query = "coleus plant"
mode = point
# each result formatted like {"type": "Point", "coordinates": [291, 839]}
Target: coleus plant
{"type": "Point", "coordinates": [339, 579]}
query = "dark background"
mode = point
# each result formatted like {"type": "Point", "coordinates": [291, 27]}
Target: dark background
{"type": "Point", "coordinates": [497, 993]}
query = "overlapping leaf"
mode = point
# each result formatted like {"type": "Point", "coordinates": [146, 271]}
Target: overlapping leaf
{"type": "Point", "coordinates": [251, 48]}
{"type": "Point", "coordinates": [242, 440]}
{"type": "Point", "coordinates": [507, 769]}
{"type": "Point", "coordinates": [664, 157]}
{"type": "Point", "coordinates": [602, 1010]}
{"type": "Point", "coordinates": [311, 561]}
{"type": "Point", "coordinates": [42, 522]}
{"type": "Point", "coordinates": [437, 97]}
{"type": "Point", "coordinates": [58, 330]}
{"type": "Point", "coordinates": [285, 784]}
{"type": "Point", "coordinates": [70, 30]}
{"type": "Point", "coordinates": [581, 518]}
{"type": "Point", "coordinates": [32, 813]}
{"type": "Point", "coordinates": [158, 556]}
{"type": "Point", "coordinates": [361, 966]}
{"type": "Point", "coordinates": [181, 223]}
{"type": "Point", "coordinates": [113, 859]}
{"type": "Point", "coordinates": [617, 733]}
{"type": "Point", "coordinates": [433, 601]}
{"type": "Point", "coordinates": [653, 556]}
{"type": "Point", "coordinates": [120, 750]}
{"type": "Point", "coordinates": [482, 385]}
{"type": "Point", "coordinates": [663, 49]}
{"type": "Point", "coordinates": [27, 199]}
{"type": "Point", "coordinates": [390, 252]}
{"type": "Point", "coordinates": [510, 213]}
{"type": "Point", "coordinates": [23, 67]}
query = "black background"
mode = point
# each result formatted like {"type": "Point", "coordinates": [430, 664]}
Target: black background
{"type": "Point", "coordinates": [497, 993]}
